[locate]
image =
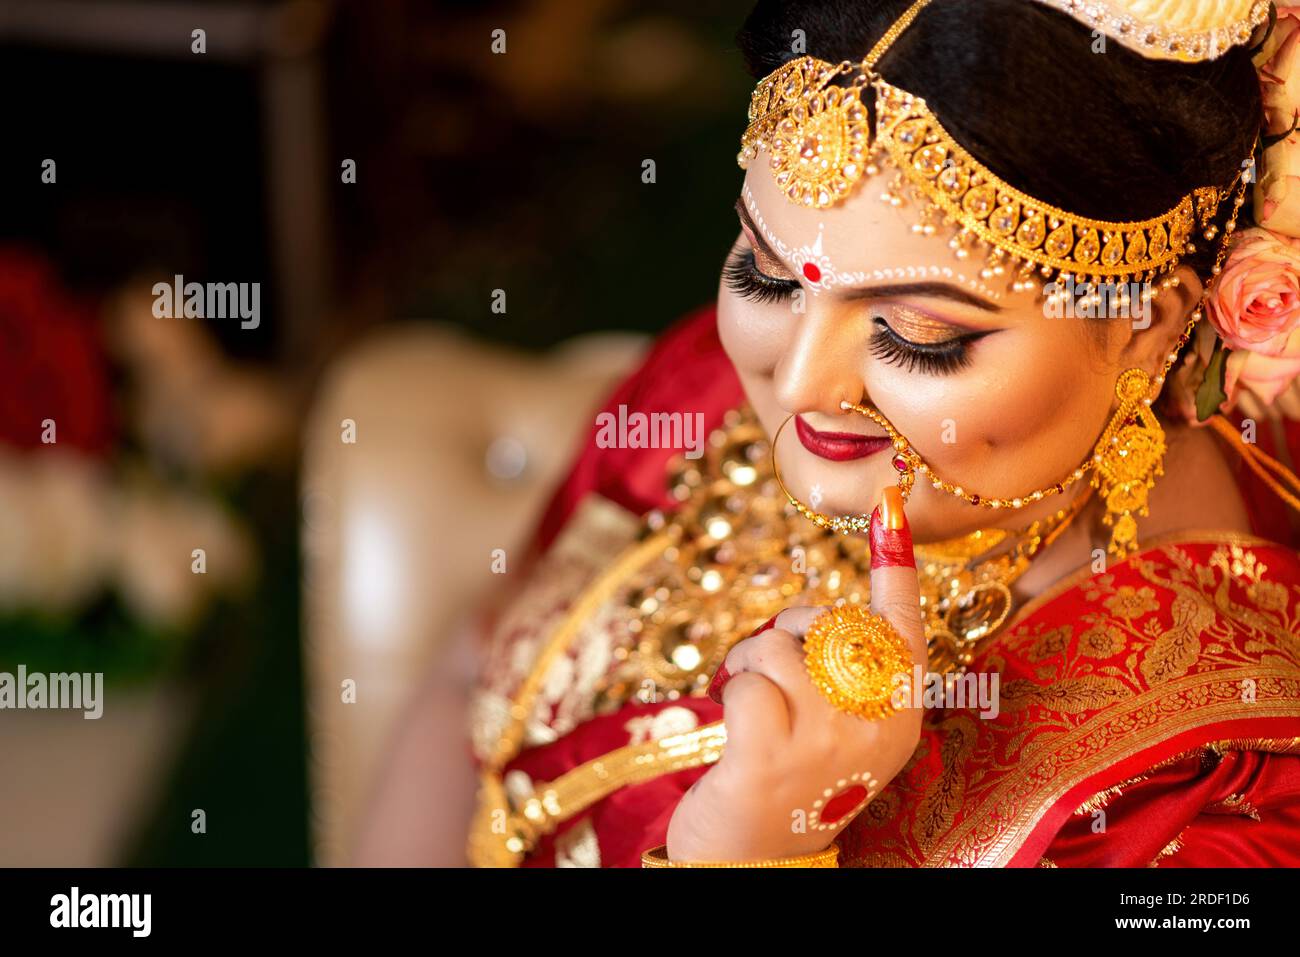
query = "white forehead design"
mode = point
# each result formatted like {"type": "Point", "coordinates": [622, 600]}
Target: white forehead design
{"type": "Point", "coordinates": [819, 272]}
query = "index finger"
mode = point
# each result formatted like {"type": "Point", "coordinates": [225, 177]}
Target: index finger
{"type": "Point", "coordinates": [895, 590]}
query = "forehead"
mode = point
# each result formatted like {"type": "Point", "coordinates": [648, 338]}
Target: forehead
{"type": "Point", "coordinates": [859, 241]}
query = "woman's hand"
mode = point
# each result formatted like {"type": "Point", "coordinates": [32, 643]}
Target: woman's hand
{"type": "Point", "coordinates": [792, 760]}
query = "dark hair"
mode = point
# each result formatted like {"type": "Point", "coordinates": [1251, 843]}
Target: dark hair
{"type": "Point", "coordinates": [1111, 135]}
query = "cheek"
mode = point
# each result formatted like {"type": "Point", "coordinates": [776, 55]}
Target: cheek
{"type": "Point", "coordinates": [1026, 395]}
{"type": "Point", "coordinates": [753, 334]}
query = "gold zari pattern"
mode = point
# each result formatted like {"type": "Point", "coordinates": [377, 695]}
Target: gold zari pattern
{"type": "Point", "coordinates": [1118, 682]}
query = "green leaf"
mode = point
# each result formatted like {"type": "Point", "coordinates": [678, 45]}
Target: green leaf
{"type": "Point", "coordinates": [1211, 393]}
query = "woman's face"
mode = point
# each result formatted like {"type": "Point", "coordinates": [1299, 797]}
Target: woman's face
{"type": "Point", "coordinates": [996, 396]}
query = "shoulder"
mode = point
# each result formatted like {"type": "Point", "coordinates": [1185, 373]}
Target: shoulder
{"type": "Point", "coordinates": [686, 373]}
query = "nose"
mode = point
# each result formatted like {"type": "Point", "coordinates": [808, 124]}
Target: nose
{"type": "Point", "coordinates": [823, 362]}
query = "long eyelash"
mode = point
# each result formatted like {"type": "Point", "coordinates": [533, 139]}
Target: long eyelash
{"type": "Point", "coordinates": [941, 358]}
{"type": "Point", "coordinates": [743, 278]}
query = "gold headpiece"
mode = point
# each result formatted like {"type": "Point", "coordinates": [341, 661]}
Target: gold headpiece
{"type": "Point", "coordinates": [820, 142]}
{"type": "Point", "coordinates": [1186, 30]}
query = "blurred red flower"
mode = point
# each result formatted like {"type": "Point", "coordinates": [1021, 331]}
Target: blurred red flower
{"type": "Point", "coordinates": [52, 363]}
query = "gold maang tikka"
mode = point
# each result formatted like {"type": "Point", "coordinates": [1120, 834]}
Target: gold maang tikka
{"type": "Point", "coordinates": [821, 142]}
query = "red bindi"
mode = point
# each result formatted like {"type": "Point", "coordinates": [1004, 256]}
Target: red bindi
{"type": "Point", "coordinates": [812, 272]}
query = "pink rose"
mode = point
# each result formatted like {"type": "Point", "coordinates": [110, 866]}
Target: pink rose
{"type": "Point", "coordinates": [1255, 303]}
{"type": "Point", "coordinates": [1264, 377]}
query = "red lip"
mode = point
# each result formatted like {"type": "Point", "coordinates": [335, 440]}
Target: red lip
{"type": "Point", "coordinates": [838, 446]}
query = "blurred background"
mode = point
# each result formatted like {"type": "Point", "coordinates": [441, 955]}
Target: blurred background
{"type": "Point", "coordinates": [457, 254]}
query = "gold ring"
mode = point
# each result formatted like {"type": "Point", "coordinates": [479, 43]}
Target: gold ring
{"type": "Point", "coordinates": [853, 658]}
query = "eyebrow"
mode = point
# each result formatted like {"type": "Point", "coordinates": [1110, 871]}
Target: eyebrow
{"type": "Point", "coordinates": [932, 290]}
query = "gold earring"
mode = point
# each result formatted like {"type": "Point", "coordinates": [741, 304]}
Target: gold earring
{"type": "Point", "coordinates": [1127, 459]}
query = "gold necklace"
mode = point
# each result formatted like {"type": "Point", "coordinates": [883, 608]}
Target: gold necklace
{"type": "Point", "coordinates": [965, 599]}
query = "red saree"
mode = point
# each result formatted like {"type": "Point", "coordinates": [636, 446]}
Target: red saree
{"type": "Point", "coordinates": [1150, 715]}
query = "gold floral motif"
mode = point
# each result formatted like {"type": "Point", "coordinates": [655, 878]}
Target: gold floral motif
{"type": "Point", "coordinates": [1176, 650]}
{"type": "Point", "coordinates": [1066, 695]}
{"type": "Point", "coordinates": [939, 805]}
{"type": "Point", "coordinates": [1101, 641]}
{"type": "Point", "coordinates": [1239, 563]}
{"type": "Point", "coordinates": [1130, 602]}
{"type": "Point", "coordinates": [1050, 644]}
{"type": "Point", "coordinates": [1269, 596]}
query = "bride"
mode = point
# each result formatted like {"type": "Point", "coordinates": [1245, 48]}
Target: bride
{"type": "Point", "coordinates": [996, 387]}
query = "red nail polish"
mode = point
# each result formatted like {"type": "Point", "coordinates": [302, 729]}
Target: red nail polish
{"type": "Point", "coordinates": [722, 675]}
{"type": "Point", "coordinates": [891, 538]}
{"type": "Point", "coordinates": [720, 679]}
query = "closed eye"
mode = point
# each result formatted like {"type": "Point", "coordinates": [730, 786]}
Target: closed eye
{"type": "Point", "coordinates": [933, 358]}
{"type": "Point", "coordinates": [743, 277]}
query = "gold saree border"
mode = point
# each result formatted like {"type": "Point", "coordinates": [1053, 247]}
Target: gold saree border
{"type": "Point", "coordinates": [958, 840]}
{"type": "Point", "coordinates": [1000, 851]}
{"type": "Point", "coordinates": [592, 597]}
{"type": "Point", "coordinates": [563, 798]}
